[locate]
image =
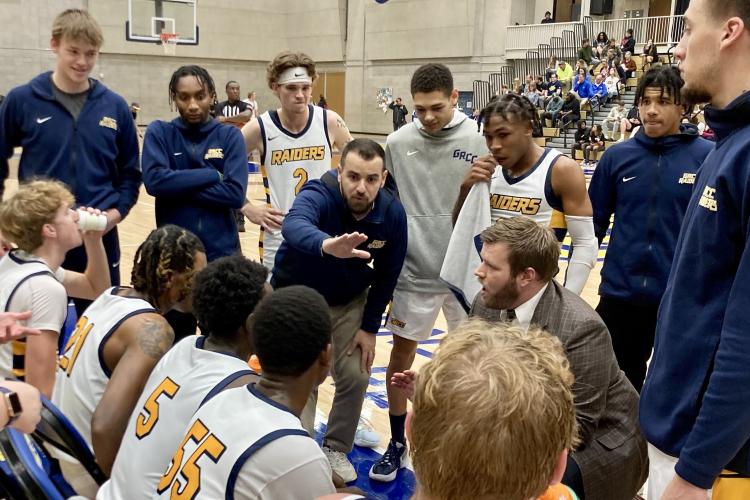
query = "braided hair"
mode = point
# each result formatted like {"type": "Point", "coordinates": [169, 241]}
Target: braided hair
{"type": "Point", "coordinates": [168, 248]}
{"type": "Point", "coordinates": [198, 72]}
{"type": "Point", "coordinates": [512, 105]}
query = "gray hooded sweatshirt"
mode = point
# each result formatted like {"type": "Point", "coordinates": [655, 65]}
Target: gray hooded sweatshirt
{"type": "Point", "coordinates": [428, 170]}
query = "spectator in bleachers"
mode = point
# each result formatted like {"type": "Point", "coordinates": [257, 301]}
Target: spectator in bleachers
{"type": "Point", "coordinates": [517, 88]}
{"type": "Point", "coordinates": [581, 67]}
{"type": "Point", "coordinates": [595, 144]}
{"type": "Point", "coordinates": [616, 48]}
{"type": "Point", "coordinates": [599, 92]}
{"type": "Point", "coordinates": [613, 83]}
{"type": "Point", "coordinates": [554, 87]}
{"type": "Point", "coordinates": [611, 123]}
{"type": "Point", "coordinates": [628, 65]}
{"type": "Point", "coordinates": [628, 43]}
{"type": "Point", "coordinates": [547, 18]}
{"type": "Point", "coordinates": [554, 108]}
{"type": "Point", "coordinates": [532, 95]}
{"type": "Point", "coordinates": [586, 52]}
{"type": "Point", "coordinates": [565, 75]}
{"type": "Point", "coordinates": [650, 55]}
{"type": "Point", "coordinates": [571, 110]}
{"type": "Point", "coordinates": [632, 121]}
{"type": "Point", "coordinates": [581, 138]}
{"type": "Point", "coordinates": [541, 86]}
{"type": "Point", "coordinates": [551, 68]}
{"type": "Point", "coordinates": [582, 88]}
{"type": "Point", "coordinates": [613, 61]}
{"type": "Point", "coordinates": [525, 86]}
{"type": "Point", "coordinates": [602, 42]}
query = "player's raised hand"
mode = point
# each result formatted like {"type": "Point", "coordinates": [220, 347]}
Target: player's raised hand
{"type": "Point", "coordinates": [10, 329]}
{"type": "Point", "coordinates": [345, 246]}
{"type": "Point", "coordinates": [481, 171]}
{"type": "Point", "coordinates": [406, 381]}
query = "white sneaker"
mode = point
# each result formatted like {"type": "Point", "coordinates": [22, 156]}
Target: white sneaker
{"type": "Point", "coordinates": [340, 464]}
{"type": "Point", "coordinates": [365, 436]}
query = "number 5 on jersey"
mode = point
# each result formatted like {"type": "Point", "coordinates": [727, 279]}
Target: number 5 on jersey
{"type": "Point", "coordinates": [150, 413]}
{"type": "Point", "coordinates": [189, 483]}
{"type": "Point", "coordinates": [75, 342]}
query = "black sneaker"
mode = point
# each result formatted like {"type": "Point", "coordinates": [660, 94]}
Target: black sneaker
{"type": "Point", "coordinates": [387, 467]}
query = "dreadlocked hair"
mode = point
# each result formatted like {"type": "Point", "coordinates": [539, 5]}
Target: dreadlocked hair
{"type": "Point", "coordinates": [198, 72]}
{"type": "Point", "coordinates": [168, 248]}
{"type": "Point", "coordinates": [511, 105]}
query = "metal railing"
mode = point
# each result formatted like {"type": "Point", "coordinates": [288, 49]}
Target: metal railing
{"type": "Point", "coordinates": [565, 38]}
{"type": "Point", "coordinates": [481, 94]}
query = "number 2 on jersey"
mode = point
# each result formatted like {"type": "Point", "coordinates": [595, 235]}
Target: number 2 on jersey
{"type": "Point", "coordinates": [301, 174]}
{"type": "Point", "coordinates": [150, 413]}
{"type": "Point", "coordinates": [208, 444]}
{"type": "Point", "coordinates": [74, 345]}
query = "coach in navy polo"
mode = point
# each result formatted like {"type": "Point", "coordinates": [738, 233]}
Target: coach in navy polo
{"type": "Point", "coordinates": [345, 236]}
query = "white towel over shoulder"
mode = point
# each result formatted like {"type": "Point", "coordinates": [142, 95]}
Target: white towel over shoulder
{"type": "Point", "coordinates": [462, 257]}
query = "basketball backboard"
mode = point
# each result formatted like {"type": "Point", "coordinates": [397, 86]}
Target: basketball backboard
{"type": "Point", "coordinates": [147, 19]}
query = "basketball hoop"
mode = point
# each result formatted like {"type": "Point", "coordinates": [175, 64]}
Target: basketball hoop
{"type": "Point", "coordinates": [169, 43]}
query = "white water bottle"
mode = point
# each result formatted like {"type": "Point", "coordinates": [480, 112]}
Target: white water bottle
{"type": "Point", "coordinates": [91, 222]}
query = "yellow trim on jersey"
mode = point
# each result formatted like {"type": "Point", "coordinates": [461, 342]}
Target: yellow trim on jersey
{"type": "Point", "coordinates": [557, 220]}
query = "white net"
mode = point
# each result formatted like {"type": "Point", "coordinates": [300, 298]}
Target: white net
{"type": "Point", "coordinates": [169, 43]}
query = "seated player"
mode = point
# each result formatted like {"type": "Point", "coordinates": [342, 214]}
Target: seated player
{"type": "Point", "coordinates": [248, 442]}
{"type": "Point", "coordinates": [40, 220]}
{"type": "Point", "coordinates": [505, 395]}
{"type": "Point", "coordinates": [196, 368]}
{"type": "Point", "coordinates": [120, 338]}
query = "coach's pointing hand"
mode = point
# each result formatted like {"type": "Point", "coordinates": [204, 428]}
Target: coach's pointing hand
{"type": "Point", "coordinates": [345, 246]}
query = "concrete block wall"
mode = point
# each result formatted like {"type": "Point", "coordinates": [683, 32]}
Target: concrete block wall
{"type": "Point", "coordinates": [376, 45]}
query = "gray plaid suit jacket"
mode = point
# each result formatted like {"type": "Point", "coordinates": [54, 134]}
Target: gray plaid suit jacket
{"type": "Point", "coordinates": [612, 455]}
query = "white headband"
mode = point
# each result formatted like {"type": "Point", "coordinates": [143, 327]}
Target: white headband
{"type": "Point", "coordinates": [294, 75]}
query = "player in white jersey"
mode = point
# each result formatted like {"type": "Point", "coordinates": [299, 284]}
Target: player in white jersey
{"type": "Point", "coordinates": [121, 336]}
{"type": "Point", "coordinates": [533, 182]}
{"type": "Point", "coordinates": [295, 144]}
{"type": "Point", "coordinates": [248, 442]}
{"type": "Point", "coordinates": [38, 218]}
{"type": "Point", "coordinates": [194, 370]}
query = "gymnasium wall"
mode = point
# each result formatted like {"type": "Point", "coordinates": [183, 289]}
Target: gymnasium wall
{"type": "Point", "coordinates": [376, 45]}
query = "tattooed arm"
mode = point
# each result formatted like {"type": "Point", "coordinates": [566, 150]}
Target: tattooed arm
{"type": "Point", "coordinates": [140, 342]}
{"type": "Point", "coordinates": [337, 130]}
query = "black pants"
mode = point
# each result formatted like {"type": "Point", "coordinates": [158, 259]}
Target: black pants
{"type": "Point", "coordinates": [632, 328]}
{"type": "Point", "coordinates": [573, 478]}
{"type": "Point", "coordinates": [75, 260]}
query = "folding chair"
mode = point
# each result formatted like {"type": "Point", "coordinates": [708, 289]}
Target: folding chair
{"type": "Point", "coordinates": [55, 430]}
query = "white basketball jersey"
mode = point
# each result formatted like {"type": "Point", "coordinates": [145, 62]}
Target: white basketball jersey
{"type": "Point", "coordinates": [289, 160]}
{"type": "Point", "coordinates": [14, 272]}
{"type": "Point", "coordinates": [185, 377]}
{"type": "Point", "coordinates": [218, 451]}
{"type": "Point", "coordinates": [529, 195]}
{"type": "Point", "coordinates": [82, 375]}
